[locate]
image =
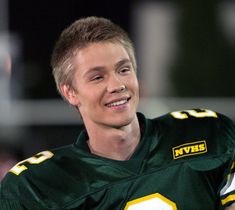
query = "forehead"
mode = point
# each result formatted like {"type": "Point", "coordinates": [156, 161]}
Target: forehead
{"type": "Point", "coordinates": [100, 54]}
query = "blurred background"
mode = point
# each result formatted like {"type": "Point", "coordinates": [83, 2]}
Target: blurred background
{"type": "Point", "coordinates": [185, 52]}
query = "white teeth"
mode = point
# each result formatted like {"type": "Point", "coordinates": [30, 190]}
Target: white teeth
{"type": "Point", "coordinates": [117, 103]}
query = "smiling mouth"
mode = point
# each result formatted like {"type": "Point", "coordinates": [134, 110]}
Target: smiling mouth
{"type": "Point", "coordinates": [118, 103]}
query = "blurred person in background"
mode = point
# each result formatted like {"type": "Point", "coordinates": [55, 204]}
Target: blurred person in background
{"type": "Point", "coordinates": [122, 160]}
{"type": "Point", "coordinates": [7, 161]}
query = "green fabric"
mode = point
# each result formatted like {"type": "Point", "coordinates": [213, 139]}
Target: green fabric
{"type": "Point", "coordinates": [74, 179]}
{"type": "Point", "coordinates": [10, 205]}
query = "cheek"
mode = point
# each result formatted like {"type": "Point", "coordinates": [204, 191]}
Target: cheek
{"type": "Point", "coordinates": [136, 89]}
{"type": "Point", "coordinates": [90, 97]}
{"type": "Point", "coordinates": [134, 84]}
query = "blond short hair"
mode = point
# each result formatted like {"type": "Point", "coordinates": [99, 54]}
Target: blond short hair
{"type": "Point", "coordinates": [77, 36]}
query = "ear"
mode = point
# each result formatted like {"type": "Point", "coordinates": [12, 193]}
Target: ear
{"type": "Point", "coordinates": [70, 95]}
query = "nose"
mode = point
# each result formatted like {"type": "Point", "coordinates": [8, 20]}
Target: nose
{"type": "Point", "coordinates": [115, 85]}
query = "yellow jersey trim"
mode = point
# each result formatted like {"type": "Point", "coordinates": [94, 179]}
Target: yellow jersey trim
{"type": "Point", "coordinates": [228, 199]}
{"type": "Point", "coordinates": [149, 197]}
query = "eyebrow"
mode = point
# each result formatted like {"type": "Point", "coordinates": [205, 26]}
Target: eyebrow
{"type": "Point", "coordinates": [122, 62]}
{"type": "Point", "coordinates": [101, 68]}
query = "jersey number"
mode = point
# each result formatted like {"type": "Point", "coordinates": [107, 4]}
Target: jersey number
{"type": "Point", "coordinates": [38, 158]}
{"type": "Point", "coordinates": [154, 201]}
{"type": "Point", "coordinates": [193, 113]}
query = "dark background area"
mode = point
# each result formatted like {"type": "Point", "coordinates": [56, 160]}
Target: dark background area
{"type": "Point", "coordinates": [39, 23]}
{"type": "Point", "coordinates": [205, 64]}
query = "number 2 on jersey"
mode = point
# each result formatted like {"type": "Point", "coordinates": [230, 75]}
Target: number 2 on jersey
{"type": "Point", "coordinates": [193, 113]}
{"type": "Point", "coordinates": [38, 158]}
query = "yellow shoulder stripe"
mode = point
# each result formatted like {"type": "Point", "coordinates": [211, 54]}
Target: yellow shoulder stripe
{"type": "Point", "coordinates": [228, 199]}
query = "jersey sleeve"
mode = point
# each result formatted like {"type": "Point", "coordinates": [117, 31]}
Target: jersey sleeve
{"type": "Point", "coordinates": [9, 204]}
{"type": "Point", "coordinates": [227, 190]}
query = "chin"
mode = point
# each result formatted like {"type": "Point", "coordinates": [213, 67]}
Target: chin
{"type": "Point", "coordinates": [122, 121]}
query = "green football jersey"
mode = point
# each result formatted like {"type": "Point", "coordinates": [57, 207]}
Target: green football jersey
{"type": "Point", "coordinates": [184, 161]}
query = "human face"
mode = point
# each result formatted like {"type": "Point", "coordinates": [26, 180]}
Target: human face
{"type": "Point", "coordinates": [106, 86]}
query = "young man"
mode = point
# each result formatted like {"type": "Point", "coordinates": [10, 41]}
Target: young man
{"type": "Point", "coordinates": [123, 161]}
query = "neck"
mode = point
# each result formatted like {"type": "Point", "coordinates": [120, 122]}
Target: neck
{"type": "Point", "coordinates": [115, 143]}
